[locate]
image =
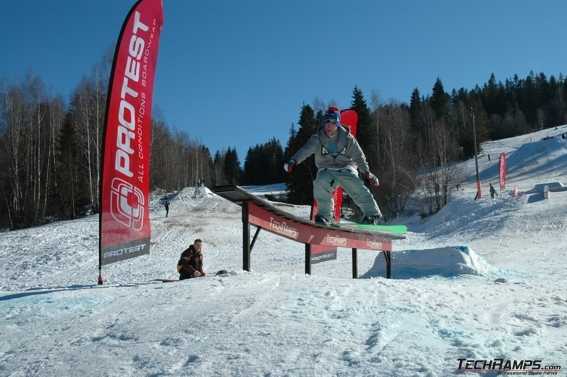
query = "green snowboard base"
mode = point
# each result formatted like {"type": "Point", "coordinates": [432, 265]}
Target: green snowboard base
{"type": "Point", "coordinates": [392, 229]}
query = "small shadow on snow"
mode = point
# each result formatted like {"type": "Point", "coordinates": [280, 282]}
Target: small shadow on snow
{"type": "Point", "coordinates": [446, 262]}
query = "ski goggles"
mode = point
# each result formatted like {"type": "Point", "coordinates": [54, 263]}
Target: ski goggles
{"type": "Point", "coordinates": [331, 118]}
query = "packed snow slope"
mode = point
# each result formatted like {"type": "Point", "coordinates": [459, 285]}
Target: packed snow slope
{"type": "Point", "coordinates": [479, 280]}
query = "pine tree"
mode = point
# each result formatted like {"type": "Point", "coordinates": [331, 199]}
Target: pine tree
{"type": "Point", "coordinates": [415, 110]}
{"type": "Point", "coordinates": [300, 181]}
{"type": "Point", "coordinates": [264, 164]}
{"type": "Point", "coordinates": [494, 97]}
{"type": "Point", "coordinates": [273, 160]}
{"type": "Point", "coordinates": [439, 100]}
{"type": "Point", "coordinates": [232, 170]}
{"type": "Point", "coordinates": [218, 164]}
{"type": "Point", "coordinates": [250, 166]}
{"type": "Point", "coordinates": [367, 132]}
{"type": "Point", "coordinates": [417, 122]}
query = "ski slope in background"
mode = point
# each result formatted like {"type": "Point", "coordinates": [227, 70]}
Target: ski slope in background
{"type": "Point", "coordinates": [478, 280]}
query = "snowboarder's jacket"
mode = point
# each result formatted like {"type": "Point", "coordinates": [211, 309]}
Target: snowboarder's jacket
{"type": "Point", "coordinates": [190, 261]}
{"type": "Point", "coordinates": [346, 153]}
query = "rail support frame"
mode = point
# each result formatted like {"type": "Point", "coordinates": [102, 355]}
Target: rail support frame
{"type": "Point", "coordinates": [308, 259]}
{"type": "Point", "coordinates": [245, 238]}
{"type": "Point", "coordinates": [355, 263]}
{"type": "Point", "coordinates": [388, 257]}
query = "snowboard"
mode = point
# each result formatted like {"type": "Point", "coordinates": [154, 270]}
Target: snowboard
{"type": "Point", "coordinates": [392, 229]}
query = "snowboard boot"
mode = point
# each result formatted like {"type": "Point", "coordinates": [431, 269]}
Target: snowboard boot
{"type": "Point", "coordinates": [322, 220]}
{"type": "Point", "coordinates": [372, 220]}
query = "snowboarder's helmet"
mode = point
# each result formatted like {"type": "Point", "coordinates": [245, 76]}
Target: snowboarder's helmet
{"type": "Point", "coordinates": [333, 116]}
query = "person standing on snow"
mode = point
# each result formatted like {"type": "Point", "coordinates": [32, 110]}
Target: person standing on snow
{"type": "Point", "coordinates": [190, 263]}
{"type": "Point", "coordinates": [338, 156]}
{"type": "Point", "coordinates": [166, 205]}
{"type": "Point", "coordinates": [492, 191]}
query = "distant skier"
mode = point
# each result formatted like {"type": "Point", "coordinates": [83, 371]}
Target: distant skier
{"type": "Point", "coordinates": [166, 205]}
{"type": "Point", "coordinates": [190, 264]}
{"type": "Point", "coordinates": [337, 157]}
{"type": "Point", "coordinates": [492, 191]}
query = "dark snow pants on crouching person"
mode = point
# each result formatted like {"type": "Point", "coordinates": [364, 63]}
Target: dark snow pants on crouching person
{"type": "Point", "coordinates": [329, 179]}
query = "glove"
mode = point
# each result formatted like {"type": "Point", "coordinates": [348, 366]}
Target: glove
{"type": "Point", "coordinates": [371, 179]}
{"type": "Point", "coordinates": [289, 166]}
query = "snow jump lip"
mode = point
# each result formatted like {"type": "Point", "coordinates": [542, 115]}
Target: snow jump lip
{"type": "Point", "coordinates": [265, 215]}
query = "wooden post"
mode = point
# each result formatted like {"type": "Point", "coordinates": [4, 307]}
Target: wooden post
{"type": "Point", "coordinates": [308, 259]}
{"type": "Point", "coordinates": [478, 189]}
{"type": "Point", "coordinates": [354, 263]}
{"type": "Point", "coordinates": [245, 238]}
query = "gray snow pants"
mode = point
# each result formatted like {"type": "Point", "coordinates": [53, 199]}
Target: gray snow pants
{"type": "Point", "coordinates": [329, 179]}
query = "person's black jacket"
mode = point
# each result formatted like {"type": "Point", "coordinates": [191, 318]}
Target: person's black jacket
{"type": "Point", "coordinates": [190, 261]}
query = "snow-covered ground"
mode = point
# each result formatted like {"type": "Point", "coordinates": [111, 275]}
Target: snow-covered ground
{"type": "Point", "coordinates": [478, 280]}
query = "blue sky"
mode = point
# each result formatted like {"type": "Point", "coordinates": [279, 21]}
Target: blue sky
{"type": "Point", "coordinates": [236, 73]}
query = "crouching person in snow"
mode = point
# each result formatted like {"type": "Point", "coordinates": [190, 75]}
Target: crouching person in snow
{"type": "Point", "coordinates": [338, 156]}
{"type": "Point", "coordinates": [190, 263]}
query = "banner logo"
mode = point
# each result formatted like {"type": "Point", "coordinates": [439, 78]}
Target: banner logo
{"type": "Point", "coordinates": [127, 204]}
{"type": "Point", "coordinates": [375, 245]}
{"type": "Point", "coordinates": [283, 228]}
{"type": "Point", "coordinates": [335, 241]}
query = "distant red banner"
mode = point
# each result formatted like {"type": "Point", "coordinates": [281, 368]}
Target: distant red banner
{"type": "Point", "coordinates": [124, 212]}
{"type": "Point", "coordinates": [502, 170]}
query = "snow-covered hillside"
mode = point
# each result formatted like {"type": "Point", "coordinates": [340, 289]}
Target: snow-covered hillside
{"type": "Point", "coordinates": [478, 280]}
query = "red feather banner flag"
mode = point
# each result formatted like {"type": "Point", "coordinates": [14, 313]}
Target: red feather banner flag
{"type": "Point", "coordinates": [124, 201]}
{"type": "Point", "coordinates": [502, 170]}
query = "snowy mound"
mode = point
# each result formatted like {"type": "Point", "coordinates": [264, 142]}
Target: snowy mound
{"type": "Point", "coordinates": [193, 199]}
{"type": "Point", "coordinates": [548, 154]}
{"type": "Point", "coordinates": [192, 193]}
{"type": "Point", "coordinates": [509, 145]}
{"type": "Point", "coordinates": [446, 262]}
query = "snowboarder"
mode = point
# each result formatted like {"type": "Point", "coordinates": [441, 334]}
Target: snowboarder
{"type": "Point", "coordinates": [492, 191]}
{"type": "Point", "coordinates": [337, 157]}
{"type": "Point", "coordinates": [190, 263]}
{"type": "Point", "coordinates": [166, 205]}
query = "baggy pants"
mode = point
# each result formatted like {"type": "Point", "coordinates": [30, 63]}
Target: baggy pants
{"type": "Point", "coordinates": [329, 179]}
